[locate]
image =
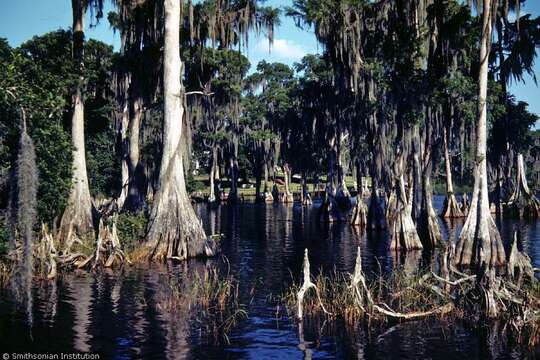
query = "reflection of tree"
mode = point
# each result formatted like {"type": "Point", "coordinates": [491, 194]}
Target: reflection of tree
{"type": "Point", "coordinates": [408, 260]}
{"type": "Point", "coordinates": [81, 293]}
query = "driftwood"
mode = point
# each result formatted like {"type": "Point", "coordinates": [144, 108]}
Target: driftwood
{"type": "Point", "coordinates": [108, 252]}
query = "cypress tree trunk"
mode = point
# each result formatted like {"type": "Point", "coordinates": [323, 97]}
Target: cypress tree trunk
{"type": "Point", "coordinates": [451, 207]}
{"type": "Point", "coordinates": [428, 225]}
{"type": "Point", "coordinates": [215, 190]}
{"type": "Point", "coordinates": [77, 218]}
{"type": "Point", "coordinates": [523, 203]}
{"type": "Point", "coordinates": [174, 229]}
{"type": "Point", "coordinates": [359, 215]}
{"type": "Point", "coordinates": [402, 229]}
{"type": "Point", "coordinates": [136, 193]}
{"type": "Point", "coordinates": [306, 196]}
{"type": "Point", "coordinates": [480, 241]}
{"type": "Point", "coordinates": [287, 196]}
{"type": "Point", "coordinates": [258, 175]}
{"type": "Point", "coordinates": [233, 173]}
{"type": "Point", "coordinates": [376, 218]}
{"type": "Point", "coordinates": [124, 161]}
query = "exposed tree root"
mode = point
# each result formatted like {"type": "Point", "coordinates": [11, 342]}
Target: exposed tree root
{"type": "Point", "coordinates": [470, 297]}
{"type": "Point", "coordinates": [108, 252]}
{"type": "Point", "coordinates": [480, 240]}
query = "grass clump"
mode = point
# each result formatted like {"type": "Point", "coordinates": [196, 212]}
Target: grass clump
{"type": "Point", "coordinates": [208, 298]}
{"type": "Point", "coordinates": [479, 299]}
{"type": "Point", "coordinates": [398, 291]}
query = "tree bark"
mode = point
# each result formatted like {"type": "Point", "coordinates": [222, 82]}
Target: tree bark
{"type": "Point", "coordinates": [136, 194]}
{"type": "Point", "coordinates": [480, 241]}
{"type": "Point", "coordinates": [77, 218]}
{"type": "Point", "coordinates": [174, 229]}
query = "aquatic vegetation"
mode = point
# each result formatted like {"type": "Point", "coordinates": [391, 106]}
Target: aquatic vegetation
{"type": "Point", "coordinates": [512, 297]}
{"type": "Point", "coordinates": [210, 298]}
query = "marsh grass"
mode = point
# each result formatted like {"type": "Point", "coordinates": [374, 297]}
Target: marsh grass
{"type": "Point", "coordinates": [420, 291]}
{"type": "Point", "coordinates": [211, 300]}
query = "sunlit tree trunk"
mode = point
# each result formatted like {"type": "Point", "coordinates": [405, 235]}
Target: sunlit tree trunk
{"type": "Point", "coordinates": [174, 229]}
{"type": "Point", "coordinates": [451, 208]}
{"type": "Point", "coordinates": [359, 215]}
{"type": "Point", "coordinates": [215, 191]}
{"type": "Point", "coordinates": [77, 218]}
{"type": "Point", "coordinates": [287, 196]}
{"type": "Point", "coordinates": [124, 160]}
{"type": "Point", "coordinates": [480, 240]}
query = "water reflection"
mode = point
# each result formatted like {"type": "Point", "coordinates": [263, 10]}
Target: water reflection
{"type": "Point", "coordinates": [119, 314]}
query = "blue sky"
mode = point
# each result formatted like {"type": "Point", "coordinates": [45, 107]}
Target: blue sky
{"type": "Point", "coordinates": [22, 19]}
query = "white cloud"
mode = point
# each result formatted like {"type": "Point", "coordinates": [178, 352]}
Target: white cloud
{"type": "Point", "coordinates": [283, 49]}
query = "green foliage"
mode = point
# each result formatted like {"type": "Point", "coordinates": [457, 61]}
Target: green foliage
{"type": "Point", "coordinates": [102, 155]}
{"type": "Point", "coordinates": [131, 229]}
{"type": "Point", "coordinates": [39, 77]}
{"type": "Point", "coordinates": [29, 84]}
{"type": "Point", "coordinates": [193, 185]}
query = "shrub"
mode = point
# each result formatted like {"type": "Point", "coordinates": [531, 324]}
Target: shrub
{"type": "Point", "coordinates": [131, 229]}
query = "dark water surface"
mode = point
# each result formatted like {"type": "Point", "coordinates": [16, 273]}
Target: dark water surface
{"type": "Point", "coordinates": [118, 315]}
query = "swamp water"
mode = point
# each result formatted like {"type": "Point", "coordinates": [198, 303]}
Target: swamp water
{"type": "Point", "coordinates": [119, 314]}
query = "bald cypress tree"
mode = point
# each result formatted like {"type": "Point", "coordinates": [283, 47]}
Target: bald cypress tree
{"type": "Point", "coordinates": [480, 241]}
{"type": "Point", "coordinates": [77, 218]}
